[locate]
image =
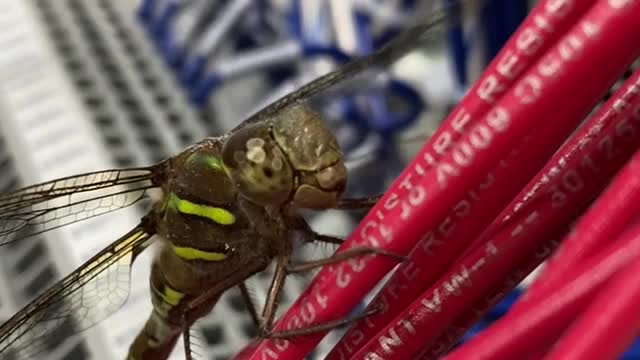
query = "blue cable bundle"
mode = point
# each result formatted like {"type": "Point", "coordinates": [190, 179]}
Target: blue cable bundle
{"type": "Point", "coordinates": [189, 33]}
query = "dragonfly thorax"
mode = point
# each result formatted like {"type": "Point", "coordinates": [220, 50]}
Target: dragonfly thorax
{"type": "Point", "coordinates": [292, 158]}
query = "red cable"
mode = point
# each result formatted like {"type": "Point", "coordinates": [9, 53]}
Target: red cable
{"type": "Point", "coordinates": [610, 323]}
{"type": "Point", "coordinates": [608, 327]}
{"type": "Point", "coordinates": [438, 250]}
{"type": "Point", "coordinates": [420, 199]}
{"type": "Point", "coordinates": [547, 317]}
{"type": "Point", "coordinates": [430, 314]}
{"type": "Point", "coordinates": [443, 344]}
{"type": "Point", "coordinates": [617, 123]}
{"type": "Point", "coordinates": [543, 216]}
{"type": "Point", "coordinates": [615, 209]}
{"type": "Point", "coordinates": [481, 205]}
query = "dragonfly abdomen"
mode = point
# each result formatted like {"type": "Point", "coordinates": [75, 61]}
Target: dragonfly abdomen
{"type": "Point", "coordinates": [156, 340]}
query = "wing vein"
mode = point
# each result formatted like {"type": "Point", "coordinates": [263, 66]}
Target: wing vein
{"type": "Point", "coordinates": [87, 295]}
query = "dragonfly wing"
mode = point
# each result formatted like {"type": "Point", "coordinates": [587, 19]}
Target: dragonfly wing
{"type": "Point", "coordinates": [73, 184]}
{"type": "Point", "coordinates": [82, 299]}
{"type": "Point", "coordinates": [383, 57]}
{"type": "Point", "coordinates": [43, 207]}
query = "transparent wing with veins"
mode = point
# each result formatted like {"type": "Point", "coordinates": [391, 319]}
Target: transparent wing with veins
{"type": "Point", "coordinates": [82, 299]}
{"type": "Point", "coordinates": [50, 205]}
{"type": "Point", "coordinates": [383, 57]}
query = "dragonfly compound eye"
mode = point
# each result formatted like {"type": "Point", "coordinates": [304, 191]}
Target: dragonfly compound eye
{"type": "Point", "coordinates": [258, 166]}
{"type": "Point", "coordinates": [308, 143]}
{"type": "Point", "coordinates": [313, 152]}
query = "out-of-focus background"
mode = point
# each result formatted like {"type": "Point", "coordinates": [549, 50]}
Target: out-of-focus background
{"type": "Point", "coordinates": [88, 85]}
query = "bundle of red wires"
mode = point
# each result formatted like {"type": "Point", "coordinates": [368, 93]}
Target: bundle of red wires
{"type": "Point", "coordinates": [505, 181]}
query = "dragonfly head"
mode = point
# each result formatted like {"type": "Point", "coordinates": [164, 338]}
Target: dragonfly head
{"type": "Point", "coordinates": [293, 158]}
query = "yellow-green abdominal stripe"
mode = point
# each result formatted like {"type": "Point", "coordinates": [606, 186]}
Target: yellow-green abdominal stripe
{"type": "Point", "coordinates": [215, 214]}
{"type": "Point", "coordinates": [171, 296]}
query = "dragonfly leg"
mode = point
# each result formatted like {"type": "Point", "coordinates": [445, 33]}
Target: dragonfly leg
{"type": "Point", "coordinates": [341, 256]}
{"type": "Point", "coordinates": [323, 327]}
{"type": "Point", "coordinates": [283, 268]}
{"type": "Point", "coordinates": [273, 296]}
{"type": "Point", "coordinates": [357, 203]}
{"type": "Point", "coordinates": [248, 301]}
{"type": "Point", "coordinates": [300, 224]}
{"type": "Point", "coordinates": [327, 239]}
{"type": "Point", "coordinates": [186, 337]}
{"type": "Point", "coordinates": [189, 345]}
{"type": "Point", "coordinates": [314, 236]}
{"type": "Point", "coordinates": [344, 204]}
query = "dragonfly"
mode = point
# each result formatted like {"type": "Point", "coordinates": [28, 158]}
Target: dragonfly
{"type": "Point", "coordinates": [227, 209]}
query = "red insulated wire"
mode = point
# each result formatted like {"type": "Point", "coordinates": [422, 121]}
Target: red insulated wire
{"type": "Point", "coordinates": [610, 323]}
{"type": "Point", "coordinates": [436, 251]}
{"type": "Point", "coordinates": [429, 315]}
{"type": "Point", "coordinates": [613, 210]}
{"type": "Point", "coordinates": [481, 204]}
{"type": "Point", "coordinates": [545, 319]}
{"type": "Point", "coordinates": [420, 199]}
{"type": "Point", "coordinates": [604, 221]}
{"type": "Point", "coordinates": [443, 344]}
{"type": "Point", "coordinates": [550, 209]}
{"type": "Point", "coordinates": [617, 125]}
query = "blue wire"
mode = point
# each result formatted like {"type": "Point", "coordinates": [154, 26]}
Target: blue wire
{"type": "Point", "coordinates": [500, 19]}
{"type": "Point", "coordinates": [145, 11]}
{"type": "Point", "coordinates": [457, 45]}
{"type": "Point", "coordinates": [160, 28]}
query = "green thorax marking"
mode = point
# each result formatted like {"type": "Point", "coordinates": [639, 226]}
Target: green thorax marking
{"type": "Point", "coordinates": [215, 214]}
{"type": "Point", "coordinates": [212, 161]}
